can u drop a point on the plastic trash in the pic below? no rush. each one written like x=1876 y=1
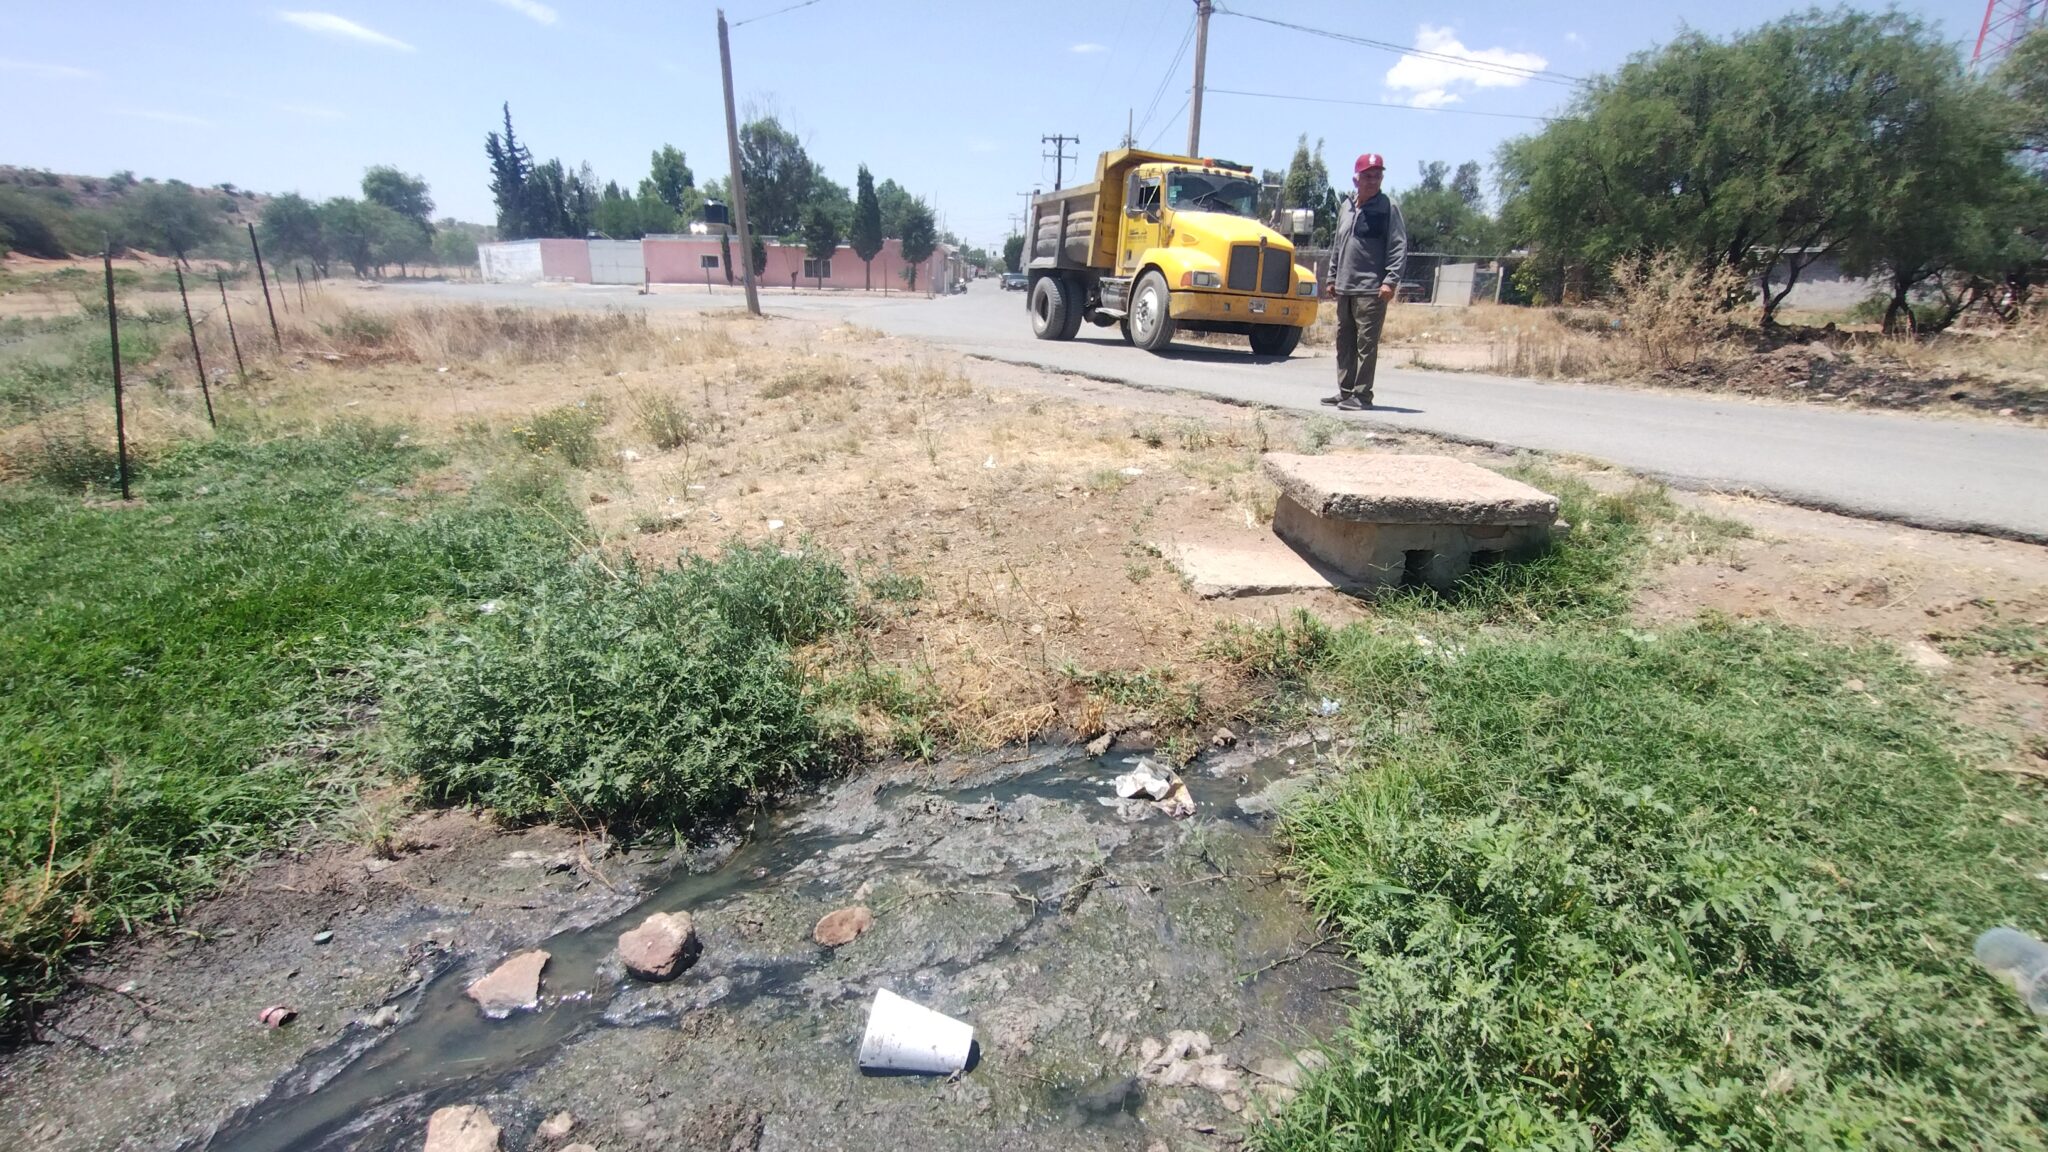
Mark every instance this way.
x=277 y=1015
x=907 y=1037
x=2019 y=960
x=1329 y=707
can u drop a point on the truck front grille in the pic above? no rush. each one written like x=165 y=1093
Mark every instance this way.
x=1244 y=268
x=1275 y=274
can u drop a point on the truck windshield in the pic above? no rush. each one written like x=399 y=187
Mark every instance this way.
x=1206 y=192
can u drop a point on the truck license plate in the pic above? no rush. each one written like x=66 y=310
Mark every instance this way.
x=1258 y=306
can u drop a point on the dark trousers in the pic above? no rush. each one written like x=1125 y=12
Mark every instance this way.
x=1358 y=343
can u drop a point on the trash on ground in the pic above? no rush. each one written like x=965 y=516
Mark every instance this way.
x=2019 y=960
x=1145 y=780
x=907 y=1037
x=278 y=1015
x=1329 y=707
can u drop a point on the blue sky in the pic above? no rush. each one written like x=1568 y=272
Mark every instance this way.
x=949 y=99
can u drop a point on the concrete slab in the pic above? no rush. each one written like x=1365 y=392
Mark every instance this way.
x=1390 y=488
x=1256 y=565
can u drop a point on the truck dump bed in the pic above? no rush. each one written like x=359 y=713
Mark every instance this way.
x=1076 y=227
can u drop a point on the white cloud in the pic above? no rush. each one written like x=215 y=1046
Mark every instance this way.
x=162 y=117
x=1432 y=79
x=532 y=9
x=1575 y=40
x=47 y=71
x=328 y=24
x=1088 y=47
x=311 y=111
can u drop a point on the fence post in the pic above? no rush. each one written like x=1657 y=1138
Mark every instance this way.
x=197 y=359
x=222 y=280
x=264 y=278
x=114 y=346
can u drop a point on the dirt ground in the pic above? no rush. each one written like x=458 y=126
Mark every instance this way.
x=1014 y=512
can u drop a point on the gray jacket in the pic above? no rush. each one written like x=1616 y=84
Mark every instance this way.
x=1370 y=247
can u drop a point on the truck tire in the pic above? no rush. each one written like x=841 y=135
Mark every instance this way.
x=1051 y=310
x=1077 y=307
x=1151 y=313
x=1275 y=339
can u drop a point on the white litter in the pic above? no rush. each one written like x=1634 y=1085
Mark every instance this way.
x=775 y=525
x=1329 y=707
x=907 y=1037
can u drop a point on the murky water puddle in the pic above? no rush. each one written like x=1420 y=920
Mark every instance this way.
x=986 y=880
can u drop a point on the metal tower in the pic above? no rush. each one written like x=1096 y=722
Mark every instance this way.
x=2006 y=23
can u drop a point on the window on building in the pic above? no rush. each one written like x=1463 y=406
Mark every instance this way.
x=817 y=269
x=707 y=262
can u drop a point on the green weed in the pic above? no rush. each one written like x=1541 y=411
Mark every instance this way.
x=650 y=698
x=178 y=676
x=568 y=433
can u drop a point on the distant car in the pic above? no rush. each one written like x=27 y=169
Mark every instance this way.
x=1015 y=280
x=1410 y=291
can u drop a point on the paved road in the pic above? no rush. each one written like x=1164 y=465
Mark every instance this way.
x=1967 y=475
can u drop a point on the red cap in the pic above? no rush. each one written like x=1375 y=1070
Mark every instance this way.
x=1369 y=160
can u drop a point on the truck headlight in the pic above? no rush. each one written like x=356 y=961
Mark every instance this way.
x=1200 y=280
x=1305 y=288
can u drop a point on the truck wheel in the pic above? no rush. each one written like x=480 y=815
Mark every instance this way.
x=1077 y=307
x=1124 y=326
x=1151 y=320
x=1049 y=309
x=1275 y=339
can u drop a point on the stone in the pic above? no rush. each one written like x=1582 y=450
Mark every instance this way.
x=462 y=1128
x=555 y=1127
x=1100 y=745
x=322 y=937
x=1391 y=488
x=513 y=986
x=663 y=945
x=843 y=926
x=1927 y=656
x=579 y=1148
x=383 y=1017
x=1224 y=738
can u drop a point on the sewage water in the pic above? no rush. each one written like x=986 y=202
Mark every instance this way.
x=1014 y=897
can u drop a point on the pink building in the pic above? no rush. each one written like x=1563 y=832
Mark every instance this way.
x=689 y=259
x=693 y=259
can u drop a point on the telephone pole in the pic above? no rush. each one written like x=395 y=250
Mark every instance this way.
x=1202 y=10
x=1058 y=156
x=739 y=184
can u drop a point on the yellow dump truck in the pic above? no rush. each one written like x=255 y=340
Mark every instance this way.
x=1161 y=244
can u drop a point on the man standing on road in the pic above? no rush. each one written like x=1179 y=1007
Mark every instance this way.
x=1367 y=255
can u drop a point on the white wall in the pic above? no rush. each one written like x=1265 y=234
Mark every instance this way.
x=513 y=262
x=616 y=262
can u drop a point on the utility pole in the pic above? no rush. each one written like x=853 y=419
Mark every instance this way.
x=739 y=184
x=1059 y=156
x=1202 y=10
x=1130 y=136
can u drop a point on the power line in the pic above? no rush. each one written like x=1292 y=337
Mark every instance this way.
x=1175 y=118
x=1384 y=104
x=1167 y=79
x=1541 y=75
x=777 y=12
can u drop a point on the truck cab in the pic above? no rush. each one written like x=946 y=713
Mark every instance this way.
x=1160 y=245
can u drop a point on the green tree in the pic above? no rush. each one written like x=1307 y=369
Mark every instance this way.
x=821 y=238
x=511 y=171
x=725 y=254
x=896 y=204
x=760 y=261
x=1465 y=182
x=867 y=226
x=920 y=238
x=670 y=179
x=404 y=194
x=1441 y=220
x=397 y=240
x=293 y=229
x=779 y=176
x=29 y=224
x=2025 y=75
x=1434 y=173
x=1013 y=252
x=454 y=248
x=1307 y=185
x=353 y=229
x=171 y=219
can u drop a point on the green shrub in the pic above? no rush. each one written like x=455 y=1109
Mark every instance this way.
x=661 y=698
x=663 y=417
x=567 y=433
x=176 y=675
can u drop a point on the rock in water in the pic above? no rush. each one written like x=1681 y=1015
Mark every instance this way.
x=555 y=1127
x=843 y=926
x=513 y=987
x=463 y=1128
x=663 y=945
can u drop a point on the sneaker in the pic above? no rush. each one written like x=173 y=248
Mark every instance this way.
x=1353 y=404
x=1336 y=399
